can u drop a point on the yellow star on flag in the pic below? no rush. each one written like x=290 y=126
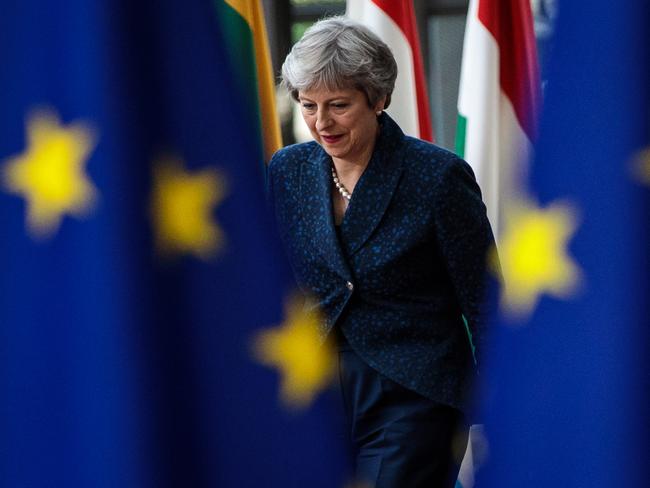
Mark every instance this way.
x=305 y=365
x=50 y=173
x=534 y=258
x=182 y=206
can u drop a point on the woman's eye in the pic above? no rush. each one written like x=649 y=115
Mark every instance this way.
x=308 y=106
x=340 y=105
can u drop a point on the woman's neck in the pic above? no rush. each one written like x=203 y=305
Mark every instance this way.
x=346 y=168
x=349 y=170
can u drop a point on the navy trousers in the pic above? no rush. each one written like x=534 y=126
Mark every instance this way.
x=400 y=438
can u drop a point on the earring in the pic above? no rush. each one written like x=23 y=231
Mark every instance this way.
x=379 y=112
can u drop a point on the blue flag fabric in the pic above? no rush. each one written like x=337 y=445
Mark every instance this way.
x=126 y=323
x=567 y=394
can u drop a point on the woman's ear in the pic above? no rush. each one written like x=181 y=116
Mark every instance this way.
x=380 y=105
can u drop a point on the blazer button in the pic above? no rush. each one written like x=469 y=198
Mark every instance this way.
x=349 y=285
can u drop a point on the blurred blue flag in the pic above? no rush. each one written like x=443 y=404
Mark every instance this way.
x=137 y=260
x=567 y=389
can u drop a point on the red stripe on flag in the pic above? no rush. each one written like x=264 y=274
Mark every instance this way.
x=402 y=13
x=511 y=24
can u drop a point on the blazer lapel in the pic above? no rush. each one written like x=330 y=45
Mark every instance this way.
x=316 y=197
x=375 y=188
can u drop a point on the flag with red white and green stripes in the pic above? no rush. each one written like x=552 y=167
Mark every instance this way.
x=498 y=98
x=394 y=22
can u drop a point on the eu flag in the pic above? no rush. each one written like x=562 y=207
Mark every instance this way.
x=143 y=296
x=568 y=390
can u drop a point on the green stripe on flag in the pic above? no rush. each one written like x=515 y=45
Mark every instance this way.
x=470 y=339
x=239 y=39
x=241 y=54
x=460 y=135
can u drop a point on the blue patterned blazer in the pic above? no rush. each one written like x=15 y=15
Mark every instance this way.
x=410 y=262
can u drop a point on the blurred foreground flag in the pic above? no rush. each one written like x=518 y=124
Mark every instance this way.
x=498 y=99
x=149 y=334
x=567 y=395
x=394 y=22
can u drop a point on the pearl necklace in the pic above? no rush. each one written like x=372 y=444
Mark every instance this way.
x=339 y=186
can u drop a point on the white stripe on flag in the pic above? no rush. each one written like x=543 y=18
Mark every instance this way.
x=403 y=107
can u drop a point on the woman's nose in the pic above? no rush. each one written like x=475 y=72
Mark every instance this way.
x=323 y=120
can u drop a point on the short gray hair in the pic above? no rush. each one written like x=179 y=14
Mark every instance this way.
x=339 y=53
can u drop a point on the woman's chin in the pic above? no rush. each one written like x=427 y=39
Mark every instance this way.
x=334 y=152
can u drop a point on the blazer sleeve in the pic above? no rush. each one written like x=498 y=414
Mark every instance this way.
x=465 y=239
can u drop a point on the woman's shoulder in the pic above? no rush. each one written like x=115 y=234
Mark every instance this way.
x=426 y=158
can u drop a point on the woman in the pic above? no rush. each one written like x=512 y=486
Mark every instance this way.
x=390 y=235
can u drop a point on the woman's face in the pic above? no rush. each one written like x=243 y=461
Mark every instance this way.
x=341 y=121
